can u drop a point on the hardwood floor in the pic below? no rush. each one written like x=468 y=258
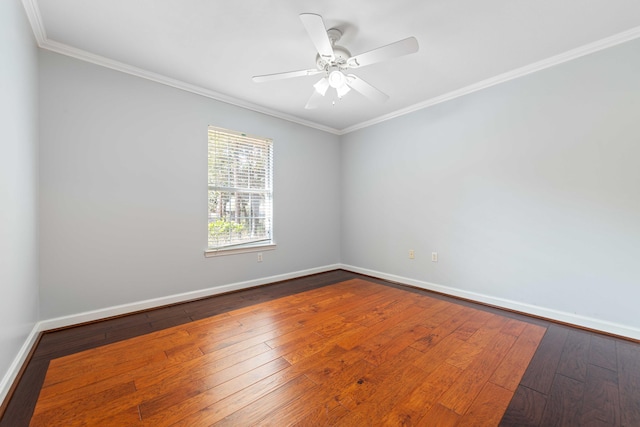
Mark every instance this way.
x=331 y=349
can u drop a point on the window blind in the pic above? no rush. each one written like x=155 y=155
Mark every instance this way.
x=240 y=189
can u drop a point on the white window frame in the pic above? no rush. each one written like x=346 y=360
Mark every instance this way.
x=218 y=183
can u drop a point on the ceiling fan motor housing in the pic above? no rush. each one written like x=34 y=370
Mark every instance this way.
x=340 y=53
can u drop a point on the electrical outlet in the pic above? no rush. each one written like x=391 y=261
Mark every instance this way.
x=412 y=254
x=260 y=257
x=434 y=256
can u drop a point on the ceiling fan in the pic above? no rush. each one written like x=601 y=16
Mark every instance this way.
x=332 y=61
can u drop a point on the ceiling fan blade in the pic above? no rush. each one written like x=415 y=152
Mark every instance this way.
x=393 y=50
x=287 y=75
x=314 y=100
x=318 y=33
x=366 y=89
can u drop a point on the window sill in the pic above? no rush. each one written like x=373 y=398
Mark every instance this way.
x=210 y=253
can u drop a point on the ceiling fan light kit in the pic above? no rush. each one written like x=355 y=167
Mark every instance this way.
x=333 y=60
x=322 y=86
x=336 y=79
x=343 y=89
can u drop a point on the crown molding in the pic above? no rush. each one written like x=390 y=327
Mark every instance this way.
x=83 y=55
x=35 y=19
x=570 y=55
x=37 y=26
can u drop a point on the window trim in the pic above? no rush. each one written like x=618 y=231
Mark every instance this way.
x=240 y=249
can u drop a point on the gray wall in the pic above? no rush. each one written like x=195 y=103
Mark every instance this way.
x=123 y=195
x=18 y=181
x=529 y=191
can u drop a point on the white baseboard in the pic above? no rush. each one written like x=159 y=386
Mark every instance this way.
x=13 y=371
x=103 y=313
x=534 y=310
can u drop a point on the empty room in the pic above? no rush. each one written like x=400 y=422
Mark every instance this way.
x=319 y=213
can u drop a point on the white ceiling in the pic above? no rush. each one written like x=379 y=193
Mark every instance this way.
x=214 y=47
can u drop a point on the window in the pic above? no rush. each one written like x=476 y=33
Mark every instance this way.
x=240 y=192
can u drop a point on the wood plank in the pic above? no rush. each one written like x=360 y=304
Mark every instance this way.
x=207 y=364
x=446 y=322
x=143 y=348
x=462 y=394
x=130 y=417
x=574 y=359
x=360 y=311
x=379 y=382
x=183 y=352
x=443 y=311
x=385 y=311
x=208 y=408
x=316 y=347
x=602 y=352
x=320 y=407
x=218 y=406
x=513 y=327
x=601 y=397
x=351 y=341
x=66 y=414
x=91 y=410
x=476 y=343
x=434 y=356
x=257 y=410
x=471 y=326
x=510 y=371
x=320 y=417
x=489 y=327
x=20 y=408
x=332 y=300
x=328 y=368
x=216 y=325
x=200 y=380
x=487 y=409
x=70 y=341
x=321 y=361
x=307 y=332
x=412 y=408
x=628 y=355
x=52 y=397
x=101 y=372
x=629 y=398
x=393 y=381
x=386 y=346
x=525 y=410
x=564 y=403
x=250 y=338
x=222 y=386
x=440 y=416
